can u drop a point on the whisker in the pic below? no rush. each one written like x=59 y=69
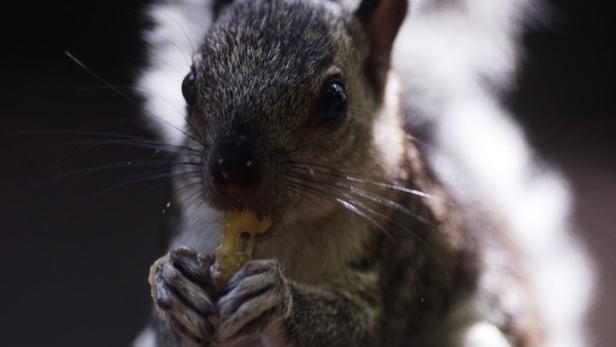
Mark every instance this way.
x=304 y=186
x=150 y=91
x=388 y=219
x=299 y=148
x=394 y=186
x=177 y=6
x=387 y=202
x=127 y=143
x=385 y=218
x=192 y=197
x=166 y=175
x=116 y=136
x=124 y=165
x=146 y=90
x=348 y=202
x=294 y=189
x=85 y=132
x=355 y=209
x=378 y=214
x=136 y=143
x=114 y=87
x=362 y=210
x=319 y=168
x=182 y=189
x=126 y=96
x=365 y=194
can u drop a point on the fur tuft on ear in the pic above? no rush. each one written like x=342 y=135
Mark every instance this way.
x=381 y=19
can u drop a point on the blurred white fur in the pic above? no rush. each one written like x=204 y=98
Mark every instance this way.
x=179 y=27
x=452 y=56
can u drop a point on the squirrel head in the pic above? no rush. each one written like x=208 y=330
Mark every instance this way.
x=284 y=95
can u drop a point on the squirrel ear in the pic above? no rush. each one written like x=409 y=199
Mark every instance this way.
x=381 y=20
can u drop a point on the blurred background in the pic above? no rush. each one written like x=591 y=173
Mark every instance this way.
x=75 y=253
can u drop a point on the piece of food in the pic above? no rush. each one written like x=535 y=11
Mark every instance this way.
x=241 y=228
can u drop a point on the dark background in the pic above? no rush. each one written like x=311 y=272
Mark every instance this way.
x=74 y=257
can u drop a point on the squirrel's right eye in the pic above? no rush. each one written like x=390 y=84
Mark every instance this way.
x=333 y=100
x=188 y=87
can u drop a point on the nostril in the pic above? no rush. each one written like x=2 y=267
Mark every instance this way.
x=232 y=164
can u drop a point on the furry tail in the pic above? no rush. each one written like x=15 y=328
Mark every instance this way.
x=177 y=29
x=454 y=58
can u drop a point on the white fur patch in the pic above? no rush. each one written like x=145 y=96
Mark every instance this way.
x=179 y=26
x=483 y=334
x=147 y=338
x=388 y=133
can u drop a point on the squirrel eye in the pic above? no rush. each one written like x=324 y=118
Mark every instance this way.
x=188 y=87
x=333 y=100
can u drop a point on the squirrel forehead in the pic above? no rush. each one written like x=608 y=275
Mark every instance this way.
x=263 y=63
x=294 y=39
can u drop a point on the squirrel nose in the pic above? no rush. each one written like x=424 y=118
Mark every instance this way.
x=232 y=164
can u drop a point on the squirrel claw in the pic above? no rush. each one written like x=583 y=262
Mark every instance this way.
x=256 y=297
x=181 y=290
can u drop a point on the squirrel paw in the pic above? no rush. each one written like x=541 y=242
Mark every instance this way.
x=180 y=285
x=256 y=297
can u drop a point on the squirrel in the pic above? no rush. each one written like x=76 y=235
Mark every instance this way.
x=294 y=110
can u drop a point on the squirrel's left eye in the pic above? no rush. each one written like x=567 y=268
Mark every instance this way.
x=333 y=100
x=188 y=87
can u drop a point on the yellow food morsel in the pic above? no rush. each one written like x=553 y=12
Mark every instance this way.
x=229 y=256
